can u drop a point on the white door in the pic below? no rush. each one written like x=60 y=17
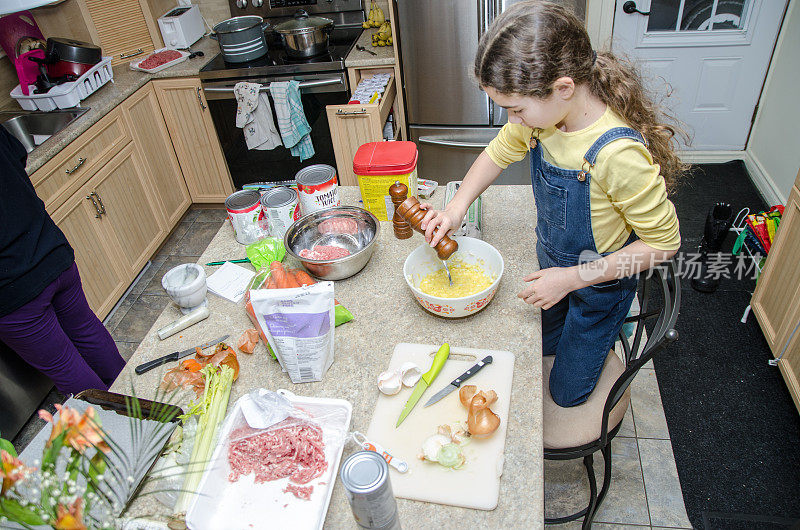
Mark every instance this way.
x=709 y=56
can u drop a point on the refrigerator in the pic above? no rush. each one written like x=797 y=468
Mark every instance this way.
x=449 y=117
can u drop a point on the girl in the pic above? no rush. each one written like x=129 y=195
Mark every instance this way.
x=601 y=163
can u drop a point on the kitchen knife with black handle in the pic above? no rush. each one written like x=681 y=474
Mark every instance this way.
x=456 y=383
x=174 y=356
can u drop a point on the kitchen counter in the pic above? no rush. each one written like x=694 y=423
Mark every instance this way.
x=386 y=314
x=358 y=59
x=125 y=83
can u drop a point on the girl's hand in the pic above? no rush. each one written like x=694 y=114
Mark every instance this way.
x=443 y=221
x=549 y=286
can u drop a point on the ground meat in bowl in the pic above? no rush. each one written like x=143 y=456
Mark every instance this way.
x=324 y=252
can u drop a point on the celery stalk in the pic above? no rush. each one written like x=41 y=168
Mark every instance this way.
x=212 y=411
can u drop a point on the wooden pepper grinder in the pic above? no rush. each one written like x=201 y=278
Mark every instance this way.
x=408 y=215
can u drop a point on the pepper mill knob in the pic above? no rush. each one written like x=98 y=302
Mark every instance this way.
x=408 y=209
x=398 y=192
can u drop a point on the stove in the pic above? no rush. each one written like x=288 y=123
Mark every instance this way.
x=323 y=81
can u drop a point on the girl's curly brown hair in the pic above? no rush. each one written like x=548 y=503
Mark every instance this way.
x=533 y=43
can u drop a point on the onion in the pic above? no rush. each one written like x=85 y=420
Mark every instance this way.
x=450 y=455
x=432 y=445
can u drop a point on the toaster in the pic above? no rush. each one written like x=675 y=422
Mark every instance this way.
x=181 y=27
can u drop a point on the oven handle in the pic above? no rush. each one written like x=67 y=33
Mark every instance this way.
x=265 y=88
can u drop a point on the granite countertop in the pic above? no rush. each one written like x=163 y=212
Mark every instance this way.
x=358 y=59
x=125 y=83
x=386 y=314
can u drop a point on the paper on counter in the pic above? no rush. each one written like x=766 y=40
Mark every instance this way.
x=230 y=281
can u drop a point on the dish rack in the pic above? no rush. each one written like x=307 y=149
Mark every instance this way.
x=739 y=224
x=67 y=95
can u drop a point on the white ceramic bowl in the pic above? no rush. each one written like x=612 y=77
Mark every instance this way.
x=423 y=260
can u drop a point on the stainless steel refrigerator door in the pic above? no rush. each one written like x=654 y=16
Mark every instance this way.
x=446 y=153
x=438 y=43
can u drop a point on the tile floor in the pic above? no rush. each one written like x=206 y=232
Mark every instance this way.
x=644 y=492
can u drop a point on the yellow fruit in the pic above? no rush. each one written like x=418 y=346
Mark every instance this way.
x=381 y=43
x=365 y=25
x=374 y=43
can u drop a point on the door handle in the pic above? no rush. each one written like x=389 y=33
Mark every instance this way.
x=629 y=8
x=481 y=17
x=100 y=201
x=96 y=207
x=200 y=99
x=81 y=161
x=452 y=143
x=131 y=54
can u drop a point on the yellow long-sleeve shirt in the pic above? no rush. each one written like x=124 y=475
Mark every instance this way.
x=626 y=190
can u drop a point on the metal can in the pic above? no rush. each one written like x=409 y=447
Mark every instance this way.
x=365 y=477
x=244 y=212
x=279 y=209
x=317 y=187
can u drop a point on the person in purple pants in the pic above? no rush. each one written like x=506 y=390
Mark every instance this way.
x=44 y=315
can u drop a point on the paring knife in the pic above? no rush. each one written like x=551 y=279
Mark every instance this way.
x=174 y=356
x=425 y=381
x=456 y=383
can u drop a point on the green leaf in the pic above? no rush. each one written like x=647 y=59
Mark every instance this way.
x=8 y=447
x=12 y=509
x=51 y=453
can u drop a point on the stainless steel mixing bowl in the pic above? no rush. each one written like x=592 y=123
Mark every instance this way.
x=359 y=235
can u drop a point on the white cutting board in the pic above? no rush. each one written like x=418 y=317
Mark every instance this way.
x=477 y=484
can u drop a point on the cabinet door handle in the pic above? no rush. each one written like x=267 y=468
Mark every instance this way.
x=81 y=160
x=100 y=201
x=96 y=207
x=200 y=99
x=131 y=54
x=345 y=113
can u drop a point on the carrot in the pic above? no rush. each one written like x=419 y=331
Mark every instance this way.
x=271 y=283
x=278 y=272
x=291 y=280
x=191 y=365
x=303 y=278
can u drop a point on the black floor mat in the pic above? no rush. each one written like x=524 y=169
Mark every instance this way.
x=733 y=424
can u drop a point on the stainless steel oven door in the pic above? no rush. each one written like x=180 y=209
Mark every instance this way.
x=252 y=165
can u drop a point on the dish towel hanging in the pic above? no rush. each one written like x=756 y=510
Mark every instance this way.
x=254 y=117
x=291 y=118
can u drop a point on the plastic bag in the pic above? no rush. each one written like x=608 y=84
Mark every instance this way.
x=264 y=252
x=299 y=327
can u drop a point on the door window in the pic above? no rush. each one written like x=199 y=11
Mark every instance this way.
x=697 y=15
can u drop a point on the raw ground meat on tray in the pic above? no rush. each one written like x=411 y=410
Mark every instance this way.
x=292 y=448
x=324 y=252
x=159 y=58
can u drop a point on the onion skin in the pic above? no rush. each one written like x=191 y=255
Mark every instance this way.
x=481 y=421
x=465 y=394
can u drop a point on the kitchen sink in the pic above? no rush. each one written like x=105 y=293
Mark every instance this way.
x=34 y=127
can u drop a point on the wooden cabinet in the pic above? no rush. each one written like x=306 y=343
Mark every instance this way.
x=776 y=300
x=194 y=138
x=124 y=29
x=154 y=146
x=354 y=125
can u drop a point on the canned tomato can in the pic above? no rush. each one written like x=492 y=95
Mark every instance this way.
x=365 y=477
x=279 y=209
x=317 y=187
x=244 y=212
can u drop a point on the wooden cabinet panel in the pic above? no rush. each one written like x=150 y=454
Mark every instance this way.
x=778 y=289
x=61 y=176
x=101 y=279
x=121 y=29
x=790 y=367
x=150 y=134
x=196 y=144
x=129 y=212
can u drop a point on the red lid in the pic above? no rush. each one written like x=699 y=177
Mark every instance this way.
x=385 y=158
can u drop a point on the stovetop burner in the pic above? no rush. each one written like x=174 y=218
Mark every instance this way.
x=276 y=62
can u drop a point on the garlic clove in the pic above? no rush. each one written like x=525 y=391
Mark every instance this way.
x=410 y=373
x=389 y=383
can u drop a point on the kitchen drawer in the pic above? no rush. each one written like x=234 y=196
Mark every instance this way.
x=354 y=125
x=66 y=172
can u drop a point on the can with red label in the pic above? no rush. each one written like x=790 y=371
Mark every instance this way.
x=317 y=188
x=244 y=212
x=279 y=209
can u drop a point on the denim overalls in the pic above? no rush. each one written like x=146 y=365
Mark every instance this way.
x=582 y=327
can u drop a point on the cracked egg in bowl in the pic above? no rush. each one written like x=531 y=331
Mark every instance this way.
x=476 y=268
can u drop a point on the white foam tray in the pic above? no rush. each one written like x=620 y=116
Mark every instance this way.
x=245 y=504
x=67 y=95
x=135 y=64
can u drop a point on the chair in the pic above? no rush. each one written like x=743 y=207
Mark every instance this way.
x=581 y=431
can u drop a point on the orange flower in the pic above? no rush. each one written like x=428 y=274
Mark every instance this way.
x=82 y=429
x=11 y=470
x=70 y=517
